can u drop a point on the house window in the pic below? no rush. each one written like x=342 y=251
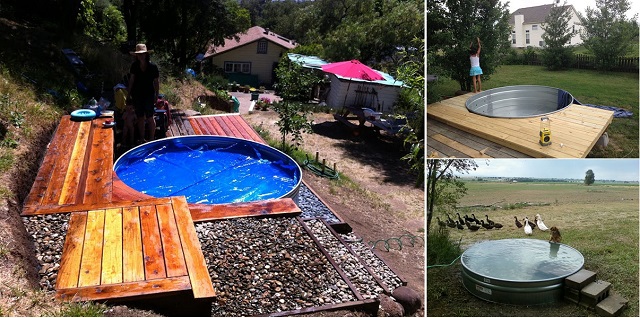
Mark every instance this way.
x=237 y=67
x=527 y=36
x=534 y=27
x=513 y=37
x=541 y=43
x=262 y=47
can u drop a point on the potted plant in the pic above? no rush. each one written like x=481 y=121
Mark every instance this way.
x=264 y=103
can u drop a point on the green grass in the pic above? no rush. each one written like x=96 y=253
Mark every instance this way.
x=633 y=50
x=81 y=309
x=592 y=219
x=590 y=87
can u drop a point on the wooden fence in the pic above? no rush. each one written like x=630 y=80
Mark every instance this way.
x=581 y=61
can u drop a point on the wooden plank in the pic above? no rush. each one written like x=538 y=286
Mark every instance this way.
x=201 y=124
x=60 y=166
x=51 y=209
x=198 y=273
x=45 y=173
x=254 y=134
x=219 y=124
x=187 y=127
x=154 y=266
x=122 y=192
x=470 y=152
x=243 y=133
x=91 y=264
x=128 y=291
x=230 y=125
x=444 y=151
x=72 y=184
x=112 y=270
x=208 y=212
x=99 y=175
x=132 y=257
x=194 y=125
x=69 y=270
x=173 y=256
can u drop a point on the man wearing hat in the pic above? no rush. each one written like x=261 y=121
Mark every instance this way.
x=144 y=85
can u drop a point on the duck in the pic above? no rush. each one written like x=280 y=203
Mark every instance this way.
x=471 y=227
x=475 y=219
x=459 y=225
x=449 y=218
x=467 y=219
x=488 y=221
x=518 y=224
x=441 y=223
x=486 y=225
x=451 y=224
x=527 y=227
x=460 y=219
x=497 y=225
x=533 y=225
x=541 y=224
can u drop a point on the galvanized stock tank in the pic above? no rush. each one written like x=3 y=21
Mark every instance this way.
x=519 y=271
x=519 y=101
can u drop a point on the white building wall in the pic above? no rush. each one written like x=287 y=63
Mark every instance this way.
x=387 y=95
x=535 y=36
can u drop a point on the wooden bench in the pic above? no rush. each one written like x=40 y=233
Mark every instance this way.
x=132 y=249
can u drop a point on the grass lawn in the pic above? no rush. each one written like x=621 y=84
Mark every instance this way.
x=600 y=221
x=591 y=87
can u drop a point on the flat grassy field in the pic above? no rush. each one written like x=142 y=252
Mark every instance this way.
x=590 y=87
x=600 y=221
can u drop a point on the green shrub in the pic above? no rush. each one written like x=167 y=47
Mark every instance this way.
x=440 y=249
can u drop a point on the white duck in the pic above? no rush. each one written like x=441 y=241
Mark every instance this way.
x=541 y=225
x=527 y=227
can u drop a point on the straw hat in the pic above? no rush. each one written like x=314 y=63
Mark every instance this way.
x=141 y=48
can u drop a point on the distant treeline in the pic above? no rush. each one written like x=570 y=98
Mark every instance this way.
x=544 y=180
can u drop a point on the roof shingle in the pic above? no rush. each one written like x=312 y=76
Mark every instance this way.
x=253 y=34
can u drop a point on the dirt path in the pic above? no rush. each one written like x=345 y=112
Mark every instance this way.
x=385 y=203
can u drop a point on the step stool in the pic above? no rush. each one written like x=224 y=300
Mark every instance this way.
x=574 y=283
x=594 y=293
x=611 y=306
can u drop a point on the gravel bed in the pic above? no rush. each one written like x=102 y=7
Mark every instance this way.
x=349 y=263
x=312 y=207
x=380 y=268
x=267 y=265
x=48 y=234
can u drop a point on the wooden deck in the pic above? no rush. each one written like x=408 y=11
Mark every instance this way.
x=131 y=249
x=574 y=130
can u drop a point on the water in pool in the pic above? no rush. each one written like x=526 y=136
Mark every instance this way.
x=210 y=174
x=522 y=259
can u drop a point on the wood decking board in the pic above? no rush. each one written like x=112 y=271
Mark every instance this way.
x=468 y=151
x=438 y=149
x=131 y=251
x=209 y=212
x=575 y=129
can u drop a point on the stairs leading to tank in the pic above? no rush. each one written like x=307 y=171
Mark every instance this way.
x=584 y=289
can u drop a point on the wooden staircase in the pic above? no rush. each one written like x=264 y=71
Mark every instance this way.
x=584 y=289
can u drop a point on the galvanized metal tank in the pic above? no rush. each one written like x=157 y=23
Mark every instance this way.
x=519 y=271
x=519 y=101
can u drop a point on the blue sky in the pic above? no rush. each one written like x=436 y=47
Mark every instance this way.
x=579 y=5
x=604 y=169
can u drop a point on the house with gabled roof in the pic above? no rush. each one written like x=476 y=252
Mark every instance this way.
x=527 y=26
x=250 y=58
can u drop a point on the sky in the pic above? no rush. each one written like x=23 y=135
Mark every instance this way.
x=603 y=169
x=579 y=5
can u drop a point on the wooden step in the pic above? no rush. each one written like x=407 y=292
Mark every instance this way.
x=594 y=293
x=611 y=306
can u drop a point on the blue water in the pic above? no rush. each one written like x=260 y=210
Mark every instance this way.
x=522 y=259
x=208 y=172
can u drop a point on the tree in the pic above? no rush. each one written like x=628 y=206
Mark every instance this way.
x=465 y=21
x=556 y=55
x=589 y=178
x=607 y=32
x=185 y=28
x=443 y=187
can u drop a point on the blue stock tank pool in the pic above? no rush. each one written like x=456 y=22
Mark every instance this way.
x=210 y=170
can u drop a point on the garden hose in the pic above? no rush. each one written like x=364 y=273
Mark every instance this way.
x=387 y=247
x=445 y=265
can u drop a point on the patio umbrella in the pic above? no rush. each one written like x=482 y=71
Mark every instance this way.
x=352 y=69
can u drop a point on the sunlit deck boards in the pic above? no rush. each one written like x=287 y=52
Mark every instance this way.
x=76 y=168
x=132 y=249
x=231 y=125
x=575 y=129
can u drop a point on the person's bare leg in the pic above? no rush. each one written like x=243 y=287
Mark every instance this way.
x=480 y=83
x=473 y=78
x=151 y=128
x=140 y=126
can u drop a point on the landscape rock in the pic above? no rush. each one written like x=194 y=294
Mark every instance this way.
x=389 y=307
x=408 y=298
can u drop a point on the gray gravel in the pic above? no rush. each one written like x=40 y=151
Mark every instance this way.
x=267 y=265
x=48 y=234
x=312 y=207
